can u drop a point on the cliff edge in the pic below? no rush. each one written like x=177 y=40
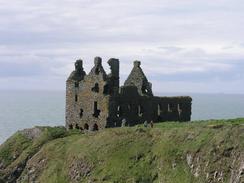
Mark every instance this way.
x=202 y=151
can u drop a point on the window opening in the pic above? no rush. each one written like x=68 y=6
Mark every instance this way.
x=96 y=111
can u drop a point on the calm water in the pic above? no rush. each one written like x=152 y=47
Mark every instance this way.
x=23 y=109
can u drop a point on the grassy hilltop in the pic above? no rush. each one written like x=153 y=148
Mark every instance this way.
x=206 y=151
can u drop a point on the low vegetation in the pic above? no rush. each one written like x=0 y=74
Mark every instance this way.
x=171 y=152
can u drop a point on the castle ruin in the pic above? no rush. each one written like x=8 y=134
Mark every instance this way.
x=95 y=101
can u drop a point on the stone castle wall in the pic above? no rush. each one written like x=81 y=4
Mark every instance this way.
x=96 y=101
x=87 y=102
x=138 y=109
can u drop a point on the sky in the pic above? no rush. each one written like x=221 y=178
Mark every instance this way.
x=184 y=45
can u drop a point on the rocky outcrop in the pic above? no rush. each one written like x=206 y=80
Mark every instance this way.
x=210 y=152
x=78 y=169
x=237 y=172
x=18 y=150
x=32 y=133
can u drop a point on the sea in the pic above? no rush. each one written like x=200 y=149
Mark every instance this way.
x=26 y=109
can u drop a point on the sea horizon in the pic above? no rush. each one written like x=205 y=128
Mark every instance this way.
x=22 y=109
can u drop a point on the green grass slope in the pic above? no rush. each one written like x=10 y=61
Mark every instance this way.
x=203 y=151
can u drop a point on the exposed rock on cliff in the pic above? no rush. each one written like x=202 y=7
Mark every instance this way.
x=206 y=151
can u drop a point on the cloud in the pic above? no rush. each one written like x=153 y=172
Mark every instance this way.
x=20 y=70
x=179 y=41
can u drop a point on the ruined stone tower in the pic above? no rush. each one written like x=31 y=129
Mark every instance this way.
x=96 y=100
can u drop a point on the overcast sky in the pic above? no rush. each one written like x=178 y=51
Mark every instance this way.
x=184 y=45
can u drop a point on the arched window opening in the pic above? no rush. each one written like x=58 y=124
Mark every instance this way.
x=145 y=88
x=95 y=88
x=95 y=127
x=159 y=109
x=96 y=111
x=170 y=107
x=76 y=97
x=119 y=111
x=76 y=84
x=97 y=70
x=129 y=107
x=86 y=126
x=180 y=107
x=159 y=112
x=81 y=113
x=140 y=111
x=70 y=126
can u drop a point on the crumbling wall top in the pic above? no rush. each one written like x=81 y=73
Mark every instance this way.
x=78 y=74
x=137 y=78
x=137 y=63
x=98 y=61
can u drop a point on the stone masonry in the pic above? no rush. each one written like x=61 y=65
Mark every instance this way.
x=95 y=101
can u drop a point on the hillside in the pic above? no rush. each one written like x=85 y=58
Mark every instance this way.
x=203 y=151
